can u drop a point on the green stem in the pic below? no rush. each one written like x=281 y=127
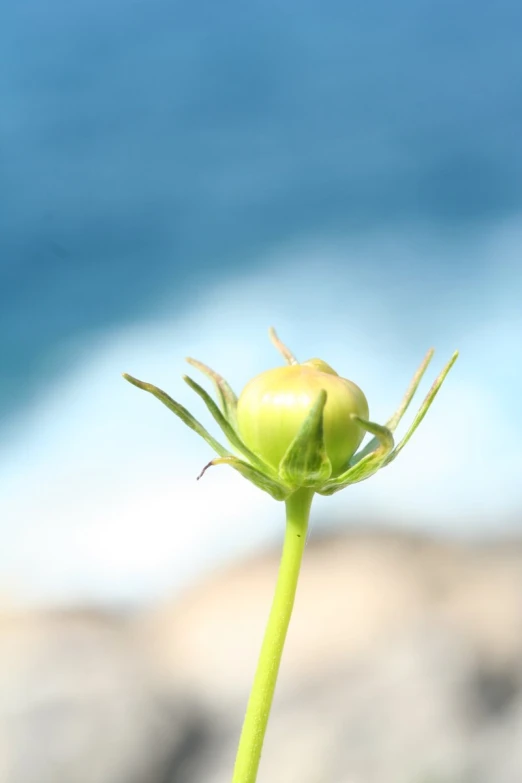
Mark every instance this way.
x=258 y=709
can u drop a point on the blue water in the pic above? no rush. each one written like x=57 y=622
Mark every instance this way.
x=158 y=145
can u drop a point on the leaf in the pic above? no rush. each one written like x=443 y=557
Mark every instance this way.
x=306 y=463
x=182 y=413
x=424 y=408
x=228 y=430
x=392 y=423
x=365 y=465
x=226 y=396
x=281 y=347
x=383 y=436
x=412 y=388
x=277 y=490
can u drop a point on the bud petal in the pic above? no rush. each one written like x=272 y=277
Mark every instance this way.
x=274 y=406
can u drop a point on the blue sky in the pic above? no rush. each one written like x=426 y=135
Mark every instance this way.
x=176 y=179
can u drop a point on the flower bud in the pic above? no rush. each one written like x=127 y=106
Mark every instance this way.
x=299 y=426
x=274 y=405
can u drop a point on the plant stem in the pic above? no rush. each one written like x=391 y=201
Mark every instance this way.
x=260 y=701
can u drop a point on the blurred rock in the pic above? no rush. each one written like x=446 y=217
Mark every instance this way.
x=403 y=665
x=78 y=703
x=403 y=662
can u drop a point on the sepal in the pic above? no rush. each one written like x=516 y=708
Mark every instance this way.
x=306 y=463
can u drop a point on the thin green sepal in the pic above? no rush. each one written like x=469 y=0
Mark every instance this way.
x=182 y=413
x=363 y=465
x=306 y=463
x=227 y=397
x=277 y=490
x=423 y=408
x=226 y=427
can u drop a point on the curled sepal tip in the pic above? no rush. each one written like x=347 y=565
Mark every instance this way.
x=364 y=464
x=277 y=490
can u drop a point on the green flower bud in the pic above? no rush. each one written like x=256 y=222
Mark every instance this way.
x=299 y=426
x=274 y=406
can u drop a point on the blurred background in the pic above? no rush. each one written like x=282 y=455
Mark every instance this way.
x=176 y=178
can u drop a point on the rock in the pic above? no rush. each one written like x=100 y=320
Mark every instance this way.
x=403 y=662
x=403 y=665
x=78 y=703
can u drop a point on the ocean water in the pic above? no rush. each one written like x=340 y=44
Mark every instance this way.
x=177 y=177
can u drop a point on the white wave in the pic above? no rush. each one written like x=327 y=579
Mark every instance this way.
x=98 y=498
